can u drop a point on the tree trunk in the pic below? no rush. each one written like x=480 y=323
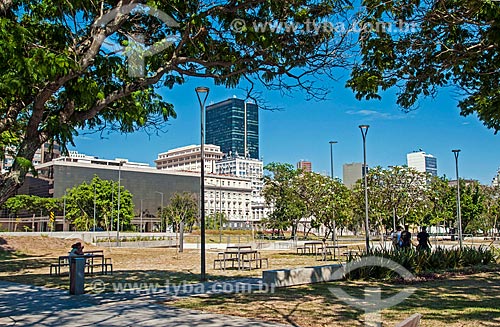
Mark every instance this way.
x=181 y=239
x=10 y=182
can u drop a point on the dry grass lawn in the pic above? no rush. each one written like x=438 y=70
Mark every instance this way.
x=27 y=260
x=459 y=301
x=471 y=300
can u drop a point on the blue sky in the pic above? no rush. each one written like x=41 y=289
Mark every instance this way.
x=302 y=130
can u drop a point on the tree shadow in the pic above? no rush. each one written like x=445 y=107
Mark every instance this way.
x=35 y=306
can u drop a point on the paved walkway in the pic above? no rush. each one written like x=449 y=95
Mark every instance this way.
x=26 y=305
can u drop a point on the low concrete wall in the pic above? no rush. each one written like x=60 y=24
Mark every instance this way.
x=141 y=244
x=299 y=276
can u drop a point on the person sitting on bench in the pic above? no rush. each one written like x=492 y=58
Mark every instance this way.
x=76 y=249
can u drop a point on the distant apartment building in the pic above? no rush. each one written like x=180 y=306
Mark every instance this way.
x=422 y=162
x=188 y=158
x=466 y=182
x=45 y=153
x=305 y=166
x=247 y=168
x=351 y=173
x=496 y=179
x=233 y=124
x=243 y=167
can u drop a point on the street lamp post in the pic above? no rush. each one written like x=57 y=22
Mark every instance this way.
x=333 y=211
x=140 y=229
x=161 y=212
x=459 y=213
x=64 y=212
x=220 y=210
x=205 y=91
x=94 y=208
x=119 y=190
x=393 y=171
x=364 y=131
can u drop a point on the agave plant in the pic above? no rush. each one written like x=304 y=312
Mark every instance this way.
x=421 y=262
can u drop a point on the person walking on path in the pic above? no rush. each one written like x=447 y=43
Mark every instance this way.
x=396 y=238
x=406 y=238
x=424 y=243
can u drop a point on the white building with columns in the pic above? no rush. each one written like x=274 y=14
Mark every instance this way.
x=188 y=158
x=249 y=168
x=233 y=185
x=230 y=195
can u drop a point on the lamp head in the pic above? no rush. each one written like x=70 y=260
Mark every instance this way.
x=333 y=142
x=364 y=126
x=202 y=89
x=456 y=151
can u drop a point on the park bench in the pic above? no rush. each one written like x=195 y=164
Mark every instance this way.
x=240 y=256
x=328 y=250
x=303 y=249
x=105 y=264
x=257 y=259
x=352 y=253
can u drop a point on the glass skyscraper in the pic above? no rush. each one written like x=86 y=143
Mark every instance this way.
x=234 y=126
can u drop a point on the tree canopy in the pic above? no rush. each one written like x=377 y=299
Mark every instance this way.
x=67 y=66
x=396 y=196
x=183 y=208
x=432 y=44
x=294 y=195
x=80 y=201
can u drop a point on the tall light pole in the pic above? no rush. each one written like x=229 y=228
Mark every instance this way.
x=94 y=207
x=459 y=213
x=220 y=210
x=200 y=91
x=333 y=176
x=119 y=191
x=112 y=206
x=393 y=171
x=161 y=212
x=364 y=131
x=64 y=212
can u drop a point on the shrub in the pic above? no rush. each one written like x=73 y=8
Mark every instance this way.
x=422 y=262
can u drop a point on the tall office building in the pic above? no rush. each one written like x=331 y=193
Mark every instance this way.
x=304 y=165
x=233 y=125
x=422 y=162
x=351 y=173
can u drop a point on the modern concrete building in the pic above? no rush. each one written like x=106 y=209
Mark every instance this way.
x=304 y=165
x=351 y=173
x=233 y=124
x=188 y=158
x=231 y=195
x=422 y=162
x=146 y=183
